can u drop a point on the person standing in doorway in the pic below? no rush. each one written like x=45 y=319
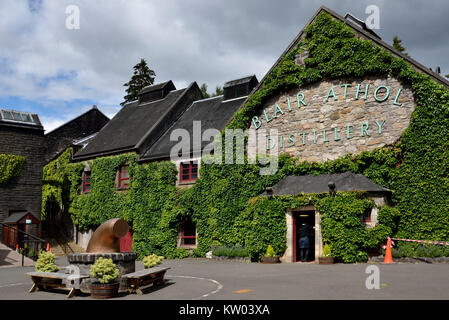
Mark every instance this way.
x=304 y=234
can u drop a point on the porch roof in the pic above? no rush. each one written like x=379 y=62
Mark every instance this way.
x=347 y=181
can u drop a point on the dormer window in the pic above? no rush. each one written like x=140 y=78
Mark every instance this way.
x=123 y=177
x=188 y=171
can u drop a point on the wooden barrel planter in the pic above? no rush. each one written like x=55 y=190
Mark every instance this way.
x=326 y=260
x=270 y=259
x=104 y=290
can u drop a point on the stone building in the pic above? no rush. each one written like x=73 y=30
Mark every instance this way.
x=324 y=120
x=332 y=118
x=22 y=134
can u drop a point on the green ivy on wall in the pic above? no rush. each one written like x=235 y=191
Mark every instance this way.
x=60 y=182
x=148 y=205
x=225 y=204
x=10 y=166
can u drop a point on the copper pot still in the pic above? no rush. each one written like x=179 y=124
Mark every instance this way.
x=106 y=239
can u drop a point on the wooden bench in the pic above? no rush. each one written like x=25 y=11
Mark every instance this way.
x=145 y=278
x=65 y=281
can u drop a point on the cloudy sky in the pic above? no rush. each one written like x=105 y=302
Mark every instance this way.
x=59 y=73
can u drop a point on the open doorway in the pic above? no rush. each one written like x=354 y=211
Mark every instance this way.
x=304 y=236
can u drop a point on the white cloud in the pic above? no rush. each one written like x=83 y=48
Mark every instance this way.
x=185 y=41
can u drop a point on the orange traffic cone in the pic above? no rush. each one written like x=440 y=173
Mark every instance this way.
x=48 y=247
x=388 y=256
x=17 y=247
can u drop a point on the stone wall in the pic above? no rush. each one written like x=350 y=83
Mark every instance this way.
x=24 y=192
x=82 y=238
x=327 y=124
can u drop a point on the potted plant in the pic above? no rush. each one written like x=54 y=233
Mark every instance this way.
x=106 y=273
x=46 y=262
x=270 y=256
x=326 y=256
x=151 y=261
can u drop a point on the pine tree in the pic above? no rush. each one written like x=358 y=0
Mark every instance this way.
x=203 y=89
x=143 y=76
x=398 y=46
x=218 y=91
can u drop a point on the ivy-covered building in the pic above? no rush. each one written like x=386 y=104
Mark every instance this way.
x=345 y=106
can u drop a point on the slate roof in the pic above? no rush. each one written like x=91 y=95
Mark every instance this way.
x=84 y=125
x=157 y=86
x=239 y=81
x=214 y=113
x=16 y=217
x=137 y=125
x=347 y=181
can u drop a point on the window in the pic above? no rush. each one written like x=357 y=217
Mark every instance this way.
x=188 y=233
x=366 y=216
x=123 y=179
x=189 y=171
x=86 y=182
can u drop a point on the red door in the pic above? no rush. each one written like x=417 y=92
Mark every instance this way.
x=126 y=243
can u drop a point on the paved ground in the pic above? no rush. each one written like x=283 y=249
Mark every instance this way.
x=10 y=258
x=202 y=279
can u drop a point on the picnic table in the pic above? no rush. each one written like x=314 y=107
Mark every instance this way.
x=144 y=278
x=64 y=281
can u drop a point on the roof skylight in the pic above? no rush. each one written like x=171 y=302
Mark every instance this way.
x=18 y=116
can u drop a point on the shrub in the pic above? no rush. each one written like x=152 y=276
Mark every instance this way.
x=230 y=252
x=419 y=250
x=152 y=260
x=104 y=270
x=326 y=251
x=270 y=252
x=46 y=262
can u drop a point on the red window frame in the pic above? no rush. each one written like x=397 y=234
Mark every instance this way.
x=366 y=217
x=121 y=179
x=186 y=169
x=86 y=183
x=183 y=237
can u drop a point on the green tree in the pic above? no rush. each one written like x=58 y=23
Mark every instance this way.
x=218 y=91
x=203 y=89
x=398 y=46
x=143 y=76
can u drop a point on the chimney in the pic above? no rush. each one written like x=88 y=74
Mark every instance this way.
x=239 y=88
